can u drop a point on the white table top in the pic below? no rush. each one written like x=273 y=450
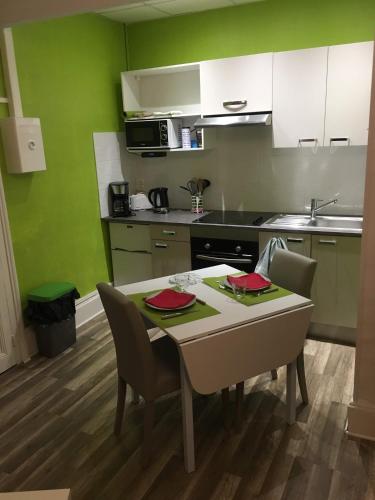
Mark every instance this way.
x=232 y=312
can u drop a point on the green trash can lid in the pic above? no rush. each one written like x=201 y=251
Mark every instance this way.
x=50 y=291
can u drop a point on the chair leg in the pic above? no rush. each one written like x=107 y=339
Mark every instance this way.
x=274 y=374
x=291 y=392
x=148 y=422
x=225 y=401
x=302 y=378
x=121 y=395
x=239 y=403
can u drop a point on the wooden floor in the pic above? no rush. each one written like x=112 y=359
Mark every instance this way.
x=56 y=420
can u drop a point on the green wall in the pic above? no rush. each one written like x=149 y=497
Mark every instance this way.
x=69 y=72
x=272 y=25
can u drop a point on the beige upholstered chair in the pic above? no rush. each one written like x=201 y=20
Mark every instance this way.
x=150 y=368
x=295 y=273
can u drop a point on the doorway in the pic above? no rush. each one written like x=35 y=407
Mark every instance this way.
x=8 y=307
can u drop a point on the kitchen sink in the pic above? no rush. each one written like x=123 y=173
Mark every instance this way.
x=320 y=222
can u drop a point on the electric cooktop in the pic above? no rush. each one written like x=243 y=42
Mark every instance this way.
x=234 y=218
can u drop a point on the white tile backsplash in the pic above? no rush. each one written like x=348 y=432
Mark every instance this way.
x=248 y=174
x=110 y=160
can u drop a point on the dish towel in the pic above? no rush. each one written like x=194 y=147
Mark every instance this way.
x=266 y=256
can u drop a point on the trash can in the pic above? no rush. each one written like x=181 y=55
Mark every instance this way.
x=51 y=308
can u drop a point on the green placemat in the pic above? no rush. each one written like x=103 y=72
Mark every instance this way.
x=197 y=311
x=249 y=299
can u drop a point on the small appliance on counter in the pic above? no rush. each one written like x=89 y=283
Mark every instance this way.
x=153 y=133
x=139 y=201
x=119 y=199
x=158 y=197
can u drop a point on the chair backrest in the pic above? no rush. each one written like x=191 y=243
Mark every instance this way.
x=135 y=359
x=293 y=271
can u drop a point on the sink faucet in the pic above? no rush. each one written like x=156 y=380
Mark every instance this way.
x=315 y=207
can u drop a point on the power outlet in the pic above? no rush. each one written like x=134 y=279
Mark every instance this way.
x=140 y=185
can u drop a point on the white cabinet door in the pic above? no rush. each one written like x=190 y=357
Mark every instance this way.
x=237 y=85
x=130 y=267
x=348 y=94
x=299 y=93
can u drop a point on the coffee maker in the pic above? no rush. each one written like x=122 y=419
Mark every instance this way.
x=119 y=199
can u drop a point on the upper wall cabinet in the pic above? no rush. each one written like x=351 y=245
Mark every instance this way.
x=299 y=92
x=170 y=88
x=237 y=85
x=348 y=94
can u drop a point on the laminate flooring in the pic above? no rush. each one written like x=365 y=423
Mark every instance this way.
x=56 y=419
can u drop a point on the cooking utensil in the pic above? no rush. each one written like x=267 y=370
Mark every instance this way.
x=185 y=188
x=176 y=314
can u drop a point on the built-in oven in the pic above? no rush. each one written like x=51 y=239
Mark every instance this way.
x=240 y=254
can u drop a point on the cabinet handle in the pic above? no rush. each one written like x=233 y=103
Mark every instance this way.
x=339 y=139
x=302 y=141
x=227 y=104
x=295 y=240
x=161 y=245
x=327 y=242
x=169 y=233
x=146 y=252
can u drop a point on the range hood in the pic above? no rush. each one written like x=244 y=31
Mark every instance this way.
x=234 y=120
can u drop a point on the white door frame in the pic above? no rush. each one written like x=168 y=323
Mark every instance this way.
x=13 y=343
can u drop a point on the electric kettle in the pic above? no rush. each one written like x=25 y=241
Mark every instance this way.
x=158 y=197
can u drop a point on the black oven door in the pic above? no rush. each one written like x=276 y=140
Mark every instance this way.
x=142 y=134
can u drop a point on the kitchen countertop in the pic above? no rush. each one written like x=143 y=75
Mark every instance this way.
x=149 y=217
x=185 y=217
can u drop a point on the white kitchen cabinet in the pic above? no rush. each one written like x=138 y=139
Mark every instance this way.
x=131 y=252
x=348 y=94
x=336 y=284
x=296 y=242
x=236 y=85
x=299 y=94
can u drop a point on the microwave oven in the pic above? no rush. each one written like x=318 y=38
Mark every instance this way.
x=153 y=133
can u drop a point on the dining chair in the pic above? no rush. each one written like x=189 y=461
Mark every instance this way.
x=295 y=273
x=151 y=368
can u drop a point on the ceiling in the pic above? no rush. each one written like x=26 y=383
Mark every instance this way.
x=158 y=9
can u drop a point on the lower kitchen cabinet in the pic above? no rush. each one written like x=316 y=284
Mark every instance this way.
x=131 y=253
x=336 y=284
x=130 y=267
x=296 y=242
x=170 y=257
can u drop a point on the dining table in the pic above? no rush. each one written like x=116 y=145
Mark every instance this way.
x=228 y=339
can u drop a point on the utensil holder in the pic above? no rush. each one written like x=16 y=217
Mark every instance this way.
x=197 y=204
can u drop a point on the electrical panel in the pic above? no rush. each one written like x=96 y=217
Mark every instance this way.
x=23 y=145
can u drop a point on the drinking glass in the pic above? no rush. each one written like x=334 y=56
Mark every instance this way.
x=181 y=281
x=238 y=290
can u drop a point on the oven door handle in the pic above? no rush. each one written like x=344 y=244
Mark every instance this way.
x=223 y=260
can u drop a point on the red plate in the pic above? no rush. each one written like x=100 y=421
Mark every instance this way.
x=169 y=299
x=252 y=281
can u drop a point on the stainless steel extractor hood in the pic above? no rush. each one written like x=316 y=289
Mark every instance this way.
x=234 y=120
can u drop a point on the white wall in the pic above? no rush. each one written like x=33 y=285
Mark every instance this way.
x=247 y=174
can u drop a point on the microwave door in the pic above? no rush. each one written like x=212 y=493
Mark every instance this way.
x=142 y=134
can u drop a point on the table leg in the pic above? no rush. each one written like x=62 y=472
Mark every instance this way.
x=291 y=392
x=187 y=418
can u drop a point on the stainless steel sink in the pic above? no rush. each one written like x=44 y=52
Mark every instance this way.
x=320 y=222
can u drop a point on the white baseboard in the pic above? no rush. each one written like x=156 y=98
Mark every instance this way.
x=88 y=307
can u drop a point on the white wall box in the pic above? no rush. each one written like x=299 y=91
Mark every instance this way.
x=237 y=85
x=163 y=89
x=348 y=94
x=299 y=94
x=23 y=145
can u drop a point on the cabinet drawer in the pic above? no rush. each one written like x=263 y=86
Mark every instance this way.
x=170 y=257
x=132 y=237
x=168 y=233
x=296 y=242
